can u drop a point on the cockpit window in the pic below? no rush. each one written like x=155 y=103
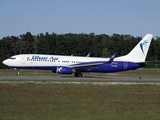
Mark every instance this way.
x=13 y=58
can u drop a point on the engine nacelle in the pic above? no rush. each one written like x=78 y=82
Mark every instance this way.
x=64 y=70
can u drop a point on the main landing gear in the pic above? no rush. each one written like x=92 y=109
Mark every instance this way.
x=78 y=74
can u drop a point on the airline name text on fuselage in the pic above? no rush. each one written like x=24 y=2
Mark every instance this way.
x=44 y=58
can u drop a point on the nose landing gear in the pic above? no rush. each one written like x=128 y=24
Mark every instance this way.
x=16 y=70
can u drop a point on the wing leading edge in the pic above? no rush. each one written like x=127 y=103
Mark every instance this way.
x=88 y=65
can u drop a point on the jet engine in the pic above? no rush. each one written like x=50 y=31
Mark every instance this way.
x=64 y=70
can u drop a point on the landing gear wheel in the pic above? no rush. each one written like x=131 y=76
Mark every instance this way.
x=17 y=70
x=78 y=74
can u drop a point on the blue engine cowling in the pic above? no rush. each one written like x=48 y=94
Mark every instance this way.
x=64 y=70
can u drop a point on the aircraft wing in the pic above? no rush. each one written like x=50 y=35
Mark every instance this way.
x=88 y=65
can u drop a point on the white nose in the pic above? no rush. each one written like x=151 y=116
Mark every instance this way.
x=5 y=62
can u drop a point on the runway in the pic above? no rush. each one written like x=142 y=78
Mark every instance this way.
x=87 y=79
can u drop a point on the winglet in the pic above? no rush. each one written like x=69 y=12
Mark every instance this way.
x=89 y=54
x=112 y=58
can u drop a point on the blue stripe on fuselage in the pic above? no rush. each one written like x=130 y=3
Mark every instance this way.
x=37 y=67
x=116 y=67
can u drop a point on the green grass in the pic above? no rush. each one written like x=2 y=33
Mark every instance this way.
x=62 y=101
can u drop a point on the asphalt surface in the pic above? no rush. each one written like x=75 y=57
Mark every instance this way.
x=72 y=78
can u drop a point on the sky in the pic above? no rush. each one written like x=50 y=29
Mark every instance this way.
x=133 y=17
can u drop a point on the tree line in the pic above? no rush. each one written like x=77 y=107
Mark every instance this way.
x=73 y=44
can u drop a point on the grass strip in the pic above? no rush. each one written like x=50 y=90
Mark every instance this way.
x=62 y=101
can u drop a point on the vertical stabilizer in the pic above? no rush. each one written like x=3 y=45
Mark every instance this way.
x=139 y=52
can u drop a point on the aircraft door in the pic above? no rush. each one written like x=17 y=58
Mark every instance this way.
x=125 y=65
x=23 y=60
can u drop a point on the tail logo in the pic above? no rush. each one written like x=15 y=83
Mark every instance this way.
x=143 y=44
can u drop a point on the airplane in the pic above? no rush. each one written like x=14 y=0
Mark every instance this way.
x=75 y=64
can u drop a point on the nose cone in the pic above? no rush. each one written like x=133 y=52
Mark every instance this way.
x=5 y=62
